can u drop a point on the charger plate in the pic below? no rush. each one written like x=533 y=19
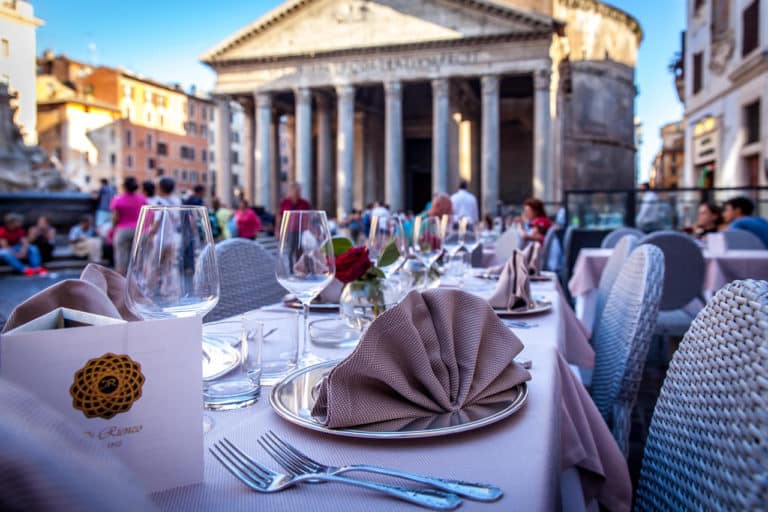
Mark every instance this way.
x=293 y=399
x=540 y=306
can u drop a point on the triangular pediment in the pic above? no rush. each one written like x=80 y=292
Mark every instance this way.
x=308 y=27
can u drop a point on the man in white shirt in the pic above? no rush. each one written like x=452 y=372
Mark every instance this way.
x=464 y=203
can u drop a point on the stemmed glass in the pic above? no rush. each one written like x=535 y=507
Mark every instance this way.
x=451 y=235
x=469 y=234
x=172 y=271
x=427 y=241
x=305 y=263
x=386 y=231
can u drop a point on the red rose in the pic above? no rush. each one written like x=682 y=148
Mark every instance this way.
x=352 y=265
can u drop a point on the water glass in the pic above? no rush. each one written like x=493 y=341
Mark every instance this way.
x=242 y=386
x=280 y=350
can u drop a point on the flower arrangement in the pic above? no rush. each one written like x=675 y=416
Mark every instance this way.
x=353 y=263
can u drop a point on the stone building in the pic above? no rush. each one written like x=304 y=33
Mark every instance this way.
x=399 y=99
x=724 y=78
x=18 y=26
x=668 y=164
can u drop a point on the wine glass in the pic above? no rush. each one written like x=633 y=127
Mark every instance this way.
x=427 y=240
x=470 y=234
x=305 y=263
x=387 y=231
x=450 y=233
x=172 y=271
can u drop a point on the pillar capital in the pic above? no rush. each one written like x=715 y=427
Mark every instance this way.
x=490 y=84
x=345 y=91
x=440 y=86
x=541 y=79
x=263 y=99
x=393 y=88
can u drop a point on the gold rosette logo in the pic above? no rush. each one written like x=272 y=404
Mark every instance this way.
x=107 y=386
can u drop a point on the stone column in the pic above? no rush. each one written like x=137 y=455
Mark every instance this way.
x=393 y=146
x=542 y=139
x=441 y=119
x=489 y=168
x=345 y=150
x=249 y=153
x=304 y=141
x=264 y=151
x=223 y=153
x=324 y=155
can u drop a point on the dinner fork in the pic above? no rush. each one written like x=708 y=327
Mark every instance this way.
x=295 y=461
x=262 y=479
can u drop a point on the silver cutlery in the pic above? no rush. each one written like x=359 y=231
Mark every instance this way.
x=295 y=461
x=262 y=479
x=519 y=324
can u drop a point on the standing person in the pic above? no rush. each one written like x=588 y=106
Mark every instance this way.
x=465 y=203
x=738 y=214
x=149 y=190
x=197 y=198
x=125 y=214
x=248 y=223
x=43 y=236
x=536 y=219
x=165 y=195
x=222 y=215
x=440 y=205
x=84 y=240
x=104 y=198
x=294 y=201
x=15 y=247
x=648 y=217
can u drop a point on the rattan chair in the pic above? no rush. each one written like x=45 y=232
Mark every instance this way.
x=247 y=275
x=612 y=238
x=616 y=261
x=622 y=337
x=742 y=239
x=551 y=250
x=707 y=448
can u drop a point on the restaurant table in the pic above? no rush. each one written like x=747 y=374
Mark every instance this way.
x=521 y=454
x=721 y=269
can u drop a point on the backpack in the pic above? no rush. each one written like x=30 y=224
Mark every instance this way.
x=215 y=228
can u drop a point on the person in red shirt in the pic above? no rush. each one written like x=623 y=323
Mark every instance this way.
x=294 y=201
x=15 y=247
x=537 y=220
x=248 y=223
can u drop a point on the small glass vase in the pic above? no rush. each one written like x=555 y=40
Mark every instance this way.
x=362 y=302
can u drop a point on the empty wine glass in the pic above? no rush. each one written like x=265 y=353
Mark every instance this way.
x=450 y=233
x=427 y=240
x=387 y=231
x=172 y=271
x=469 y=233
x=305 y=263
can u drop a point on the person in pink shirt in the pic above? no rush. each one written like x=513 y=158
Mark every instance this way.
x=125 y=214
x=248 y=223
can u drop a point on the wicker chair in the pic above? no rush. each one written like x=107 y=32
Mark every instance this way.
x=622 y=338
x=247 y=275
x=742 y=239
x=551 y=250
x=612 y=238
x=616 y=261
x=707 y=448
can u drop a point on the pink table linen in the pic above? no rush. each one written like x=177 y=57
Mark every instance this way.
x=558 y=430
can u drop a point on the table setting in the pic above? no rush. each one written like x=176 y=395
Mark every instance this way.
x=451 y=395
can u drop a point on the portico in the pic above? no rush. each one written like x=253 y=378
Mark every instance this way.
x=378 y=118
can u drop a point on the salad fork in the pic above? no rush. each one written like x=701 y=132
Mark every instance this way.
x=262 y=479
x=297 y=462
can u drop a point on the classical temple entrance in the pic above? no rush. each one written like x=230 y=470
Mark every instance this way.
x=418 y=173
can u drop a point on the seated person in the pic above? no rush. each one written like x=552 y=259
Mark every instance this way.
x=14 y=247
x=43 y=236
x=708 y=220
x=84 y=240
x=738 y=214
x=535 y=217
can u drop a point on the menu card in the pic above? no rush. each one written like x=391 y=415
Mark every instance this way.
x=133 y=388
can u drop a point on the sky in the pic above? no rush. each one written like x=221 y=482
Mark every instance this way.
x=163 y=40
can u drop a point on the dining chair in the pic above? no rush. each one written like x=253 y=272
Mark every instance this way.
x=707 y=447
x=622 y=337
x=612 y=238
x=551 y=250
x=616 y=260
x=574 y=240
x=742 y=239
x=247 y=276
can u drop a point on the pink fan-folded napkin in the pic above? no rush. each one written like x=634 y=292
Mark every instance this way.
x=435 y=352
x=532 y=254
x=513 y=291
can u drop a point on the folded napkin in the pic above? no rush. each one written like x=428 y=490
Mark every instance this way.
x=99 y=291
x=513 y=292
x=435 y=352
x=532 y=254
x=311 y=262
x=331 y=294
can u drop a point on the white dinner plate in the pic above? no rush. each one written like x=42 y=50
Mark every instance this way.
x=219 y=358
x=539 y=306
x=294 y=397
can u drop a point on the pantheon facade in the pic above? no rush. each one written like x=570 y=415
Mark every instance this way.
x=395 y=100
